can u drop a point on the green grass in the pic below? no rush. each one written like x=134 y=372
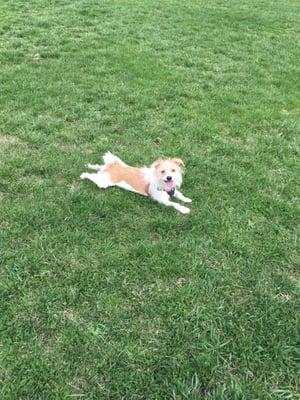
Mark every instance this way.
x=105 y=294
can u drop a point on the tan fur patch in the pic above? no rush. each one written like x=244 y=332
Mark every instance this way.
x=132 y=176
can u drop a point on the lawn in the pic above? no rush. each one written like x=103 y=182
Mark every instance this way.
x=105 y=294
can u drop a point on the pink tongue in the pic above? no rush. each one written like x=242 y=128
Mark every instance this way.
x=169 y=184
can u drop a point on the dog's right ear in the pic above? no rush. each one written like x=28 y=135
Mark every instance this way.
x=179 y=162
x=156 y=164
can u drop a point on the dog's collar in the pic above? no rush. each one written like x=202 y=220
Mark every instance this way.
x=171 y=192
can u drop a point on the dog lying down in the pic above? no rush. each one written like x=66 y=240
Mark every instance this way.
x=160 y=181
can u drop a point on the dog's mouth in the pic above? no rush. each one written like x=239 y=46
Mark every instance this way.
x=169 y=184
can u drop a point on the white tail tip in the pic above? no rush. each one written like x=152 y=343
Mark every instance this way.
x=110 y=158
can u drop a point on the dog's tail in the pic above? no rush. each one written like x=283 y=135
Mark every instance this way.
x=110 y=158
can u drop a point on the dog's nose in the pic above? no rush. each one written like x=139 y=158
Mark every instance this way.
x=169 y=178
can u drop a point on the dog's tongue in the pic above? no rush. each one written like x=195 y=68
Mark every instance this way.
x=169 y=184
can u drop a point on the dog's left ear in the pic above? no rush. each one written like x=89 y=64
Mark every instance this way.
x=178 y=161
x=156 y=164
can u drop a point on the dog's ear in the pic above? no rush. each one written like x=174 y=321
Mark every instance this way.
x=178 y=161
x=156 y=164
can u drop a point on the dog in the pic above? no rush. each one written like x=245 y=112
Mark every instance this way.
x=161 y=181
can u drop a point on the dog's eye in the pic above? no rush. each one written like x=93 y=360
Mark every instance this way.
x=163 y=171
x=173 y=170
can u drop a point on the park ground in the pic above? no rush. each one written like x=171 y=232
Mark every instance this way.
x=105 y=294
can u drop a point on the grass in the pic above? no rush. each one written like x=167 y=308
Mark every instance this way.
x=105 y=294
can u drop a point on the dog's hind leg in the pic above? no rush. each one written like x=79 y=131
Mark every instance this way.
x=95 y=167
x=102 y=179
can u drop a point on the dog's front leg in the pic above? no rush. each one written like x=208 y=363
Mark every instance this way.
x=181 y=197
x=163 y=198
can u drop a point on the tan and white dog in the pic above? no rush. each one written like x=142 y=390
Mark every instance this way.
x=160 y=181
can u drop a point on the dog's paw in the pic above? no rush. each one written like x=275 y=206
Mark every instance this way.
x=187 y=200
x=83 y=175
x=184 y=210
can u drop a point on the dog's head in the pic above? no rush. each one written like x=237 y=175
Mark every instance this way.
x=168 y=173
